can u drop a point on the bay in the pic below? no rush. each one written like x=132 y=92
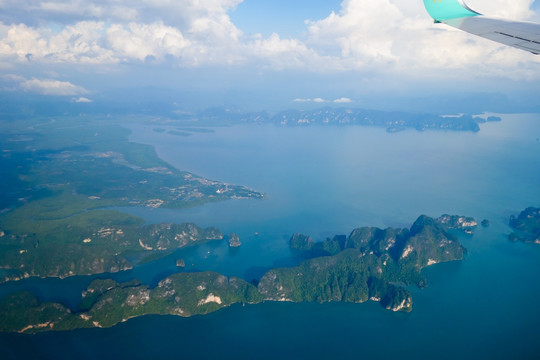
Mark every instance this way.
x=324 y=181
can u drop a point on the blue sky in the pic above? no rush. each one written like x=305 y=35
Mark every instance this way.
x=284 y=17
x=262 y=54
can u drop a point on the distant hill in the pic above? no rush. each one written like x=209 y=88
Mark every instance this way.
x=393 y=121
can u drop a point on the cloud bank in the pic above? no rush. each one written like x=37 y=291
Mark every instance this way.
x=52 y=87
x=43 y=86
x=390 y=36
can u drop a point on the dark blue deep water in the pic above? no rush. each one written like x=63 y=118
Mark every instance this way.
x=324 y=181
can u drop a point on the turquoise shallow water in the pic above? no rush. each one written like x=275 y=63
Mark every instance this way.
x=325 y=181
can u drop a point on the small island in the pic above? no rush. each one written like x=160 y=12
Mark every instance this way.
x=369 y=264
x=526 y=226
x=456 y=222
x=234 y=240
x=180 y=263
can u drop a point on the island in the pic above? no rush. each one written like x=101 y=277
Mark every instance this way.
x=393 y=121
x=368 y=264
x=234 y=240
x=526 y=226
x=180 y=263
x=456 y=222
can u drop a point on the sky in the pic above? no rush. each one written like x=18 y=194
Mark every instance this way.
x=263 y=55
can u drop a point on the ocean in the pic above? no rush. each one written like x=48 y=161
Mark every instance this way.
x=324 y=181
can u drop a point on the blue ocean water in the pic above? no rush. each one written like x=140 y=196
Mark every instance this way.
x=324 y=181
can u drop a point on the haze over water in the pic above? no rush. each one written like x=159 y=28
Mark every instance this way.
x=324 y=181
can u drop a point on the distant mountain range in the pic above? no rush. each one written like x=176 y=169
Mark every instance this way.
x=393 y=121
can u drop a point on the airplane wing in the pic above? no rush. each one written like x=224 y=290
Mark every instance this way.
x=521 y=35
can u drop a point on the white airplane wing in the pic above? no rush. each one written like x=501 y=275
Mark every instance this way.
x=521 y=35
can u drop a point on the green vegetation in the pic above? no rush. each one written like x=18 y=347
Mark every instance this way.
x=368 y=264
x=526 y=226
x=94 y=242
x=301 y=242
x=106 y=303
x=63 y=173
x=23 y=312
x=456 y=222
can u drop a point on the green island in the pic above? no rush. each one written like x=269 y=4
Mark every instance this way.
x=369 y=264
x=526 y=226
x=65 y=174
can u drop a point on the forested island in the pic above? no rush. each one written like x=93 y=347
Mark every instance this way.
x=526 y=226
x=369 y=264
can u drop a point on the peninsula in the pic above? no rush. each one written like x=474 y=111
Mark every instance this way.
x=64 y=175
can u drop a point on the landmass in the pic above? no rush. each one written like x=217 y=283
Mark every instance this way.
x=76 y=247
x=64 y=175
x=526 y=226
x=369 y=264
x=106 y=303
x=393 y=121
x=234 y=240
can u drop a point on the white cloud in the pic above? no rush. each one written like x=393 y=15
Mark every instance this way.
x=315 y=100
x=391 y=36
x=82 y=100
x=359 y=31
x=343 y=100
x=172 y=12
x=102 y=31
x=398 y=37
x=51 y=87
x=79 y=43
x=139 y=41
x=282 y=53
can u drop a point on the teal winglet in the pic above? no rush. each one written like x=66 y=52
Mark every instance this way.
x=441 y=10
